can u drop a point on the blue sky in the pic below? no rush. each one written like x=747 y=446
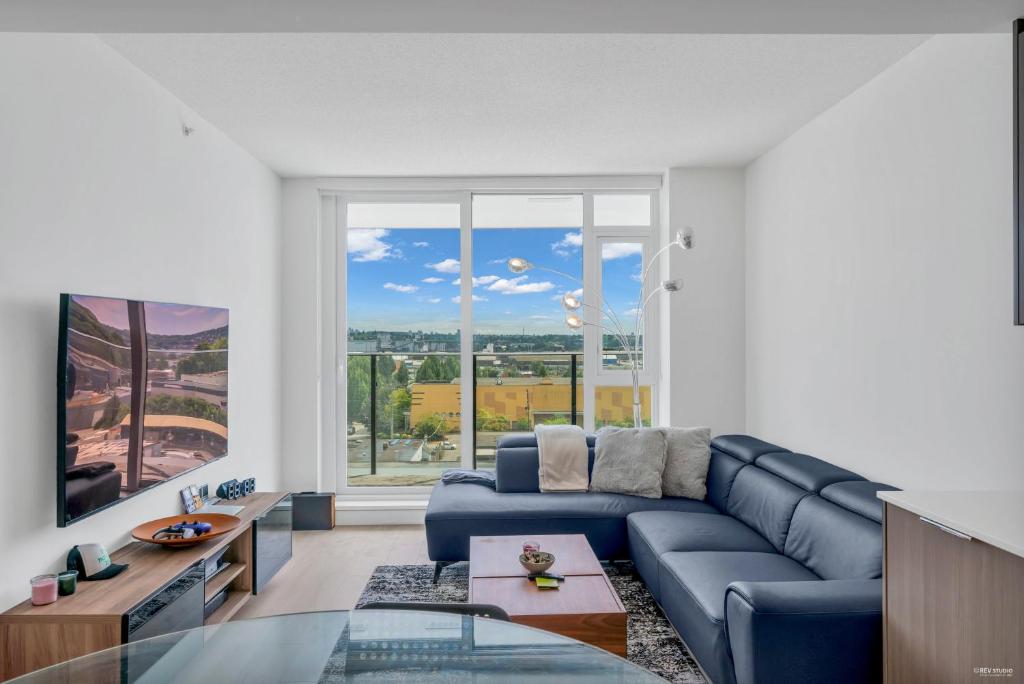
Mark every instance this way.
x=408 y=278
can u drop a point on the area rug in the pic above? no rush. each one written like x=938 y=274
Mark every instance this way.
x=651 y=642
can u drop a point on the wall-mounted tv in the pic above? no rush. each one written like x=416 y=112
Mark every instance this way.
x=142 y=397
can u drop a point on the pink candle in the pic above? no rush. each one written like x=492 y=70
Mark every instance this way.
x=44 y=589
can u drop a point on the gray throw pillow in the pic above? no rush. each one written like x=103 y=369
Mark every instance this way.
x=688 y=453
x=629 y=461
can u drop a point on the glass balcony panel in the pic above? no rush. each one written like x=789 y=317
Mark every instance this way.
x=517 y=392
x=417 y=410
x=613 y=406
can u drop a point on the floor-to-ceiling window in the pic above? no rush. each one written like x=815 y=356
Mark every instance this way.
x=403 y=342
x=528 y=363
x=447 y=348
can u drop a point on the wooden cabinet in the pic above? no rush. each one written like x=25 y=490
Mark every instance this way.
x=953 y=603
x=161 y=591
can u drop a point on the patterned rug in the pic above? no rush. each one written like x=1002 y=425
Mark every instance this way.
x=652 y=643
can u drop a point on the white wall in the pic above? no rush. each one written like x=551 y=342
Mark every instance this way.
x=301 y=364
x=880 y=277
x=100 y=193
x=703 y=345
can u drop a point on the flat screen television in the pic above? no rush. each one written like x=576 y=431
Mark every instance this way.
x=142 y=397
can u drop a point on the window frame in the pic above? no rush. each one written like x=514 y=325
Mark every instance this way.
x=332 y=322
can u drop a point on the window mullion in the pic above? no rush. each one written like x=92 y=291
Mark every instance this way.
x=591 y=294
x=467 y=374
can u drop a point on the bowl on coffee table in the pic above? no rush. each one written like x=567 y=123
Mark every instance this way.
x=536 y=562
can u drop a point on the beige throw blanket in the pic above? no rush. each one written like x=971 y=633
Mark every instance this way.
x=562 y=453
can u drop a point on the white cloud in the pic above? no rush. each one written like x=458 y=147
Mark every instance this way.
x=567 y=245
x=508 y=286
x=366 y=244
x=405 y=289
x=619 y=250
x=434 y=300
x=541 y=317
x=578 y=292
x=482 y=280
x=457 y=299
x=432 y=280
x=445 y=266
x=421 y=244
x=498 y=261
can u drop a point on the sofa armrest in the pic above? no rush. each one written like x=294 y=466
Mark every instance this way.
x=819 y=631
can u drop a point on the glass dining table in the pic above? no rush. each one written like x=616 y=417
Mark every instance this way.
x=351 y=646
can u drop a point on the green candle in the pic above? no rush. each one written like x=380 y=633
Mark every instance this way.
x=67 y=582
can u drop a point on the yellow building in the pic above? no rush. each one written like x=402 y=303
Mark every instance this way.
x=526 y=401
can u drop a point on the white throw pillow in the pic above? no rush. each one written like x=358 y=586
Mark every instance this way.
x=688 y=453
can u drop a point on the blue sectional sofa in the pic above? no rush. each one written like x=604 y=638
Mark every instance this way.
x=774 y=577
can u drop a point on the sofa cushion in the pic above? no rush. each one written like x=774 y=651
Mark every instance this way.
x=629 y=461
x=687 y=452
x=744 y=447
x=833 y=542
x=859 y=497
x=765 y=502
x=693 y=588
x=652 y=533
x=458 y=511
x=805 y=471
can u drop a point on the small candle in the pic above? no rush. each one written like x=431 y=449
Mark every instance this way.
x=67 y=582
x=44 y=589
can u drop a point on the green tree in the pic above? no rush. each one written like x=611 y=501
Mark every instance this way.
x=402 y=375
x=539 y=369
x=438 y=369
x=165 y=404
x=206 y=363
x=359 y=389
x=430 y=427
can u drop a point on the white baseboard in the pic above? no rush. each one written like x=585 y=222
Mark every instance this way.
x=349 y=512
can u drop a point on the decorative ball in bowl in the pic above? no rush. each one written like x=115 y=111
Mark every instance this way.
x=536 y=561
x=186 y=530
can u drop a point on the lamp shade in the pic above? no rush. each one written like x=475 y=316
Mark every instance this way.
x=518 y=265
x=574 y=321
x=570 y=302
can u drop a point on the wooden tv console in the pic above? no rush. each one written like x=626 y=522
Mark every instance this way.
x=159 y=592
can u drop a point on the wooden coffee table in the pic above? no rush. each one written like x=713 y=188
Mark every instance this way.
x=585 y=607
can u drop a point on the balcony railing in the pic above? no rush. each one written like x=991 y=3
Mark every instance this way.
x=405 y=420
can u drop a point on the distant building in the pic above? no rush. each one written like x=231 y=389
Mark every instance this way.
x=362 y=346
x=533 y=399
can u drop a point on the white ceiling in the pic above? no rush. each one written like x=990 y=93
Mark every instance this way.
x=512 y=16
x=440 y=104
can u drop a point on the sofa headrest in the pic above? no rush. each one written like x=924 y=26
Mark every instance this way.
x=744 y=447
x=805 y=471
x=529 y=439
x=859 y=497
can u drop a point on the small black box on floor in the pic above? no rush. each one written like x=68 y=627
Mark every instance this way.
x=313 y=511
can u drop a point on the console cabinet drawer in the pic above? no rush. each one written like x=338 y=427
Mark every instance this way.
x=954 y=606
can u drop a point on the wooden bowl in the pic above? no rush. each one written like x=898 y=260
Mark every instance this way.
x=222 y=524
x=537 y=561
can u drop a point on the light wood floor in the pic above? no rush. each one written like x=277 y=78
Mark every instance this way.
x=329 y=569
